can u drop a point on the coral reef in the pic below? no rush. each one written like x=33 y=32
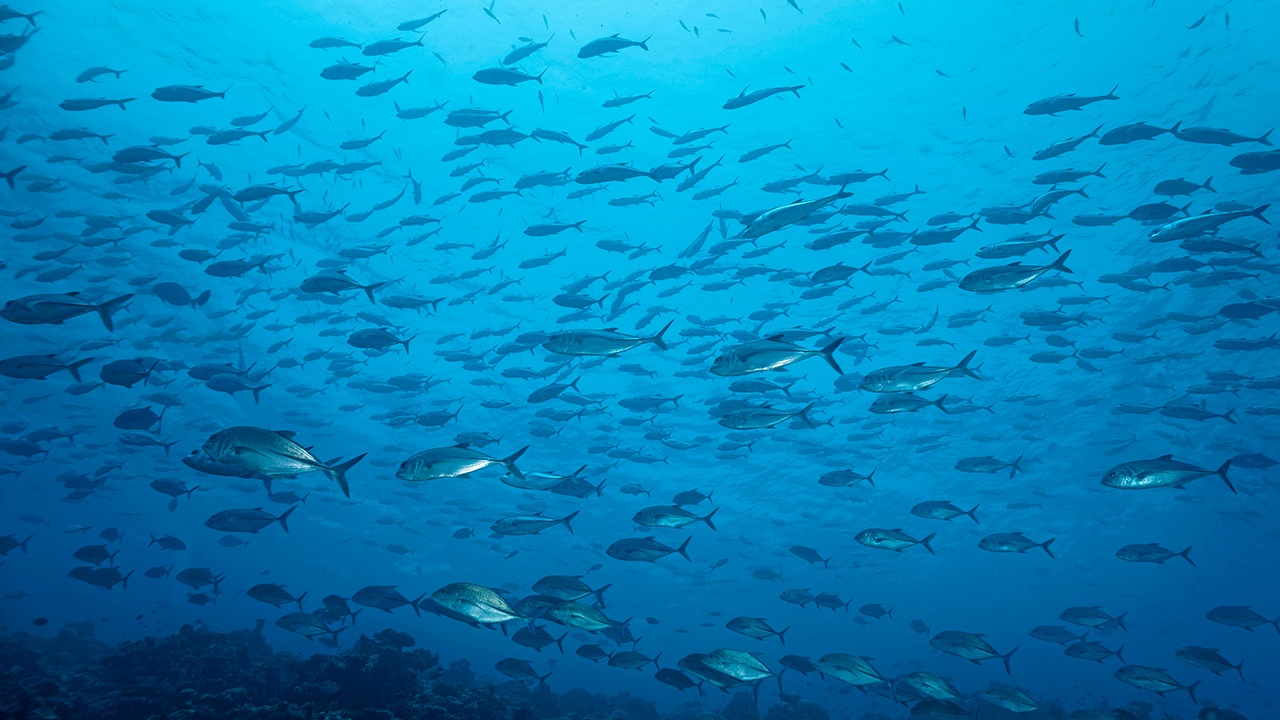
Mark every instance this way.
x=197 y=673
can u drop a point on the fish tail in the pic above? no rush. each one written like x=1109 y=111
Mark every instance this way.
x=1119 y=653
x=972 y=515
x=828 y=354
x=284 y=518
x=1119 y=619
x=1257 y=212
x=1191 y=690
x=1060 y=263
x=338 y=473
x=1208 y=186
x=782 y=636
x=962 y=367
x=1222 y=471
x=12 y=175
x=23 y=545
x=657 y=339
x=124 y=581
x=1045 y=545
x=1005 y=659
x=599 y=593
x=569 y=518
x=510 y=462
x=1186 y=555
x=416 y=610
x=1240 y=669
x=74 y=368
x=684 y=550
x=1014 y=467
x=257 y=393
x=804 y=415
x=1264 y=139
x=368 y=290
x=707 y=519
x=299 y=600
x=926 y=540
x=644 y=44
x=939 y=404
x=543 y=680
x=110 y=307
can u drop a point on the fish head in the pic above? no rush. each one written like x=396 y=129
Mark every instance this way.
x=559 y=342
x=219 y=445
x=1122 y=476
x=726 y=364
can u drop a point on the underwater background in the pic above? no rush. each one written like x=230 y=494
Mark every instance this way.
x=800 y=264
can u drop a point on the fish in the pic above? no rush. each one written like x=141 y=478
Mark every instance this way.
x=1013 y=543
x=600 y=343
x=610 y=45
x=1013 y=276
x=247 y=520
x=646 y=549
x=970 y=646
x=913 y=378
x=477 y=602
x=895 y=540
x=1162 y=472
x=531 y=524
x=771 y=353
x=1152 y=553
x=1154 y=680
x=272 y=454
x=454 y=461
x=744 y=98
x=55 y=309
x=783 y=216
x=757 y=628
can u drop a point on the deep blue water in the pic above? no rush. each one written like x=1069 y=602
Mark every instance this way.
x=1175 y=353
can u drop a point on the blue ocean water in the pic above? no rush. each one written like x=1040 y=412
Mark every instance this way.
x=396 y=227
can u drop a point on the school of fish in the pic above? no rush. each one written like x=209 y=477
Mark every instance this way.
x=787 y=349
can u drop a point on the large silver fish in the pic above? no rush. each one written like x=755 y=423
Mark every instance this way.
x=599 y=343
x=914 y=377
x=272 y=454
x=1010 y=277
x=453 y=461
x=57 y=309
x=1161 y=472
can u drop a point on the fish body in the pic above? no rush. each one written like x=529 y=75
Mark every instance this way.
x=271 y=453
x=1162 y=472
x=55 y=309
x=453 y=461
x=610 y=45
x=913 y=378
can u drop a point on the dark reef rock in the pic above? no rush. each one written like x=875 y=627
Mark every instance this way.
x=199 y=674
